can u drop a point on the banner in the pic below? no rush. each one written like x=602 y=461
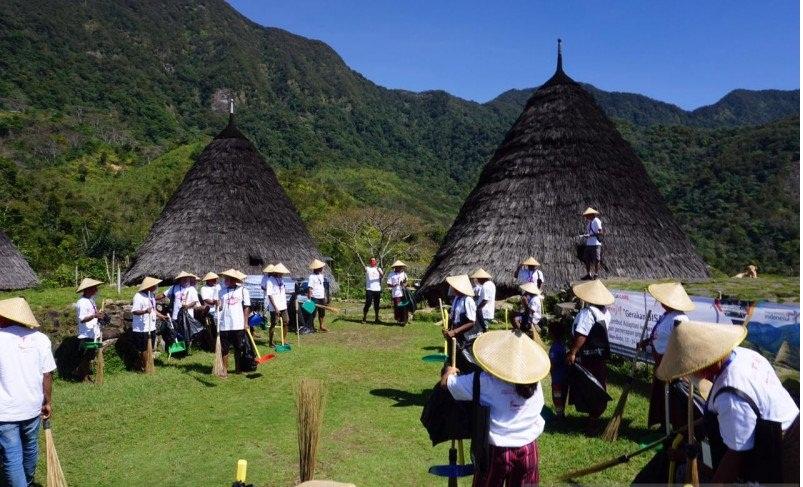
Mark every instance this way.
x=773 y=330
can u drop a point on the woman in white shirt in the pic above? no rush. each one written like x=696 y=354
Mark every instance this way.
x=276 y=299
x=509 y=384
x=528 y=271
x=485 y=292
x=144 y=315
x=316 y=290
x=373 y=289
x=463 y=322
x=397 y=281
x=531 y=304
x=183 y=294
x=87 y=315
x=235 y=306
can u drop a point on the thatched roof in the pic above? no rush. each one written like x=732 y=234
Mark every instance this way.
x=562 y=155
x=16 y=273
x=229 y=211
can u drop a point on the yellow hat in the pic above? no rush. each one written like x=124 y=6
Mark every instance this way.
x=530 y=261
x=511 y=356
x=461 y=284
x=398 y=263
x=694 y=345
x=593 y=292
x=18 y=311
x=530 y=287
x=183 y=274
x=148 y=283
x=316 y=264
x=480 y=274
x=671 y=295
x=268 y=269
x=234 y=274
x=590 y=211
x=209 y=276
x=87 y=283
x=280 y=269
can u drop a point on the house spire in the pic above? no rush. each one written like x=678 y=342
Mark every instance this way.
x=560 y=57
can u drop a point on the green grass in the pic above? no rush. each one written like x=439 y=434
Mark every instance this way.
x=184 y=427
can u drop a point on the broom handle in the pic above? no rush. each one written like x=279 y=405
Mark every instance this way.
x=454 y=352
x=694 y=475
x=253 y=343
x=298 y=331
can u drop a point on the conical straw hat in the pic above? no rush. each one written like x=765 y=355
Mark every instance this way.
x=593 y=292
x=511 y=356
x=234 y=274
x=398 y=263
x=148 y=283
x=268 y=269
x=671 y=295
x=461 y=284
x=280 y=269
x=480 y=274
x=530 y=287
x=703 y=387
x=530 y=261
x=590 y=211
x=316 y=264
x=209 y=276
x=185 y=274
x=87 y=283
x=18 y=311
x=694 y=345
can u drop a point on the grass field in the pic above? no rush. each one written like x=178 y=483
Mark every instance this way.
x=184 y=427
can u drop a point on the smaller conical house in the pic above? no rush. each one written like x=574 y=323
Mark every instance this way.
x=16 y=273
x=229 y=212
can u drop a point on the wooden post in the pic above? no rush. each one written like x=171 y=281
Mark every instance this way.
x=76 y=277
x=118 y=279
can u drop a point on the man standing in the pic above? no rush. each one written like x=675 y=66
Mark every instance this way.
x=317 y=291
x=26 y=381
x=235 y=305
x=276 y=298
x=143 y=321
x=183 y=295
x=397 y=281
x=528 y=271
x=486 y=301
x=373 y=289
x=87 y=315
x=593 y=235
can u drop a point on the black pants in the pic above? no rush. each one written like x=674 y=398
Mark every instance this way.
x=371 y=297
x=140 y=339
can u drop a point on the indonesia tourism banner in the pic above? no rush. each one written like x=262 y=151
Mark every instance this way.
x=773 y=330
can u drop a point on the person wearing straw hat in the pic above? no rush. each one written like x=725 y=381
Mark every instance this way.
x=397 y=281
x=182 y=294
x=512 y=366
x=144 y=315
x=276 y=298
x=316 y=290
x=676 y=303
x=373 y=289
x=235 y=306
x=593 y=249
x=485 y=292
x=463 y=323
x=88 y=316
x=531 y=303
x=209 y=293
x=590 y=346
x=752 y=423
x=26 y=382
x=528 y=271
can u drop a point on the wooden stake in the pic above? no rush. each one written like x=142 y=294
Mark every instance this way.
x=693 y=476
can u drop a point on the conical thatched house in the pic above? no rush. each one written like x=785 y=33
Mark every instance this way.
x=16 y=273
x=229 y=212
x=561 y=156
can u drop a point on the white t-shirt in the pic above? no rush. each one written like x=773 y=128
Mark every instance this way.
x=752 y=374
x=534 y=303
x=515 y=421
x=488 y=293
x=586 y=318
x=463 y=305
x=593 y=228
x=527 y=275
x=373 y=279
x=274 y=286
x=663 y=329
x=315 y=282
x=85 y=307
x=25 y=355
x=232 y=302
x=209 y=292
x=395 y=280
x=183 y=295
x=144 y=323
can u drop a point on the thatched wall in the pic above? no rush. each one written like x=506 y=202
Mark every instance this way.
x=561 y=156
x=15 y=273
x=230 y=211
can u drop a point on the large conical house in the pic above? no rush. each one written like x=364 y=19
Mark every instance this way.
x=16 y=273
x=229 y=212
x=562 y=155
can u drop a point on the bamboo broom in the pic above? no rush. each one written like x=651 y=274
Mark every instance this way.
x=100 y=361
x=612 y=430
x=310 y=403
x=55 y=476
x=218 y=367
x=149 y=367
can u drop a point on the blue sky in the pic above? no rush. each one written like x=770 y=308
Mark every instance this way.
x=689 y=53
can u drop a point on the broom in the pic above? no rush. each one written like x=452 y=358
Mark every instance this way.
x=100 y=362
x=55 y=476
x=218 y=368
x=612 y=430
x=149 y=367
x=310 y=402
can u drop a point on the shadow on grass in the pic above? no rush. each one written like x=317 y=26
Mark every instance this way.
x=369 y=322
x=403 y=398
x=433 y=348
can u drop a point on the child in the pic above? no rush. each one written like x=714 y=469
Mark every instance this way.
x=559 y=371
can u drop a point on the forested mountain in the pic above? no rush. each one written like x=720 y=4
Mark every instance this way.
x=103 y=104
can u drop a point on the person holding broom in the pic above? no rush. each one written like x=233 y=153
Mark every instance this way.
x=143 y=323
x=485 y=292
x=463 y=322
x=531 y=303
x=751 y=421
x=26 y=382
x=235 y=306
x=88 y=317
x=316 y=290
x=397 y=281
x=276 y=298
x=512 y=366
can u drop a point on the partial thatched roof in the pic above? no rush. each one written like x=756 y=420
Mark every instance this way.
x=229 y=211
x=16 y=273
x=561 y=156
